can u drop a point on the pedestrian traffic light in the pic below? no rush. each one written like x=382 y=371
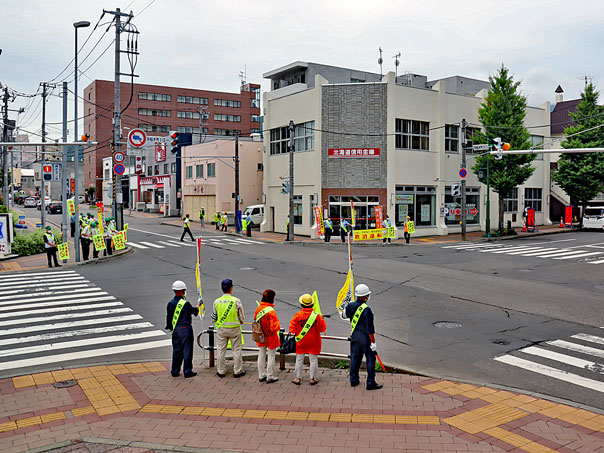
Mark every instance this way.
x=284 y=187
x=456 y=190
x=174 y=141
x=47 y=172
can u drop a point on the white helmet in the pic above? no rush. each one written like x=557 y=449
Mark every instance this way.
x=362 y=290
x=179 y=285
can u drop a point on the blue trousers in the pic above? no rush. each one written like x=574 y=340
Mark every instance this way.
x=182 y=349
x=358 y=349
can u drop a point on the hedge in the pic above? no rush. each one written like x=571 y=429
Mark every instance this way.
x=26 y=244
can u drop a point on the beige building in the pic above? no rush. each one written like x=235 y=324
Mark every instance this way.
x=383 y=141
x=208 y=175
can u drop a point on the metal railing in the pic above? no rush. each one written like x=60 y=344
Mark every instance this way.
x=211 y=346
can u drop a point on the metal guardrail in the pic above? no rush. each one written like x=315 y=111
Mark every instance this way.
x=211 y=346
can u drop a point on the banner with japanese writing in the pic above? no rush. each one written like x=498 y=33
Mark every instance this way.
x=63 y=250
x=125 y=232
x=71 y=206
x=319 y=220
x=352 y=214
x=379 y=216
x=118 y=240
x=410 y=227
x=373 y=234
x=99 y=242
x=100 y=209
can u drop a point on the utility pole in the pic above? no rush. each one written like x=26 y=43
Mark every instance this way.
x=290 y=231
x=42 y=184
x=237 y=182
x=4 y=148
x=463 y=180
x=64 y=176
x=488 y=216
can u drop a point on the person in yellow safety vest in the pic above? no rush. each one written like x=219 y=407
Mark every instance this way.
x=186 y=229
x=217 y=220
x=248 y=224
x=50 y=246
x=224 y=221
x=90 y=232
x=108 y=236
x=228 y=316
x=328 y=229
x=386 y=223
x=406 y=230
x=202 y=217
x=287 y=228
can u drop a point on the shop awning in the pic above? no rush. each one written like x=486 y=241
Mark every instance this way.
x=159 y=186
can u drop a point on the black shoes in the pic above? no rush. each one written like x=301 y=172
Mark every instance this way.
x=191 y=374
x=354 y=384
x=271 y=381
x=220 y=375
x=238 y=375
x=175 y=375
x=262 y=379
x=374 y=386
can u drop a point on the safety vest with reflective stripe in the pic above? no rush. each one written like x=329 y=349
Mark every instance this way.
x=309 y=323
x=50 y=237
x=345 y=226
x=186 y=222
x=328 y=224
x=226 y=312
x=216 y=218
x=181 y=303
x=356 y=317
x=264 y=311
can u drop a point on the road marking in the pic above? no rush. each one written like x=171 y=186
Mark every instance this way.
x=251 y=241
x=169 y=244
x=70 y=315
x=38 y=299
x=74 y=333
x=59 y=302
x=39 y=278
x=597 y=262
x=232 y=241
x=24 y=290
x=563 y=358
x=53 y=273
x=53 y=310
x=186 y=244
x=552 y=372
x=511 y=249
x=554 y=254
x=543 y=252
x=533 y=249
x=579 y=256
x=151 y=232
x=84 y=288
x=59 y=358
x=78 y=343
x=135 y=245
x=150 y=244
x=533 y=253
x=66 y=325
x=470 y=246
x=577 y=348
x=590 y=338
x=58 y=281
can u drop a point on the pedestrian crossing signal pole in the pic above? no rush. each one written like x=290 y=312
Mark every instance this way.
x=290 y=230
x=463 y=180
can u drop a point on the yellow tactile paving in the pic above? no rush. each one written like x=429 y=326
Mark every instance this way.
x=23 y=381
x=8 y=426
x=83 y=411
x=319 y=416
x=29 y=421
x=406 y=420
x=484 y=418
x=428 y=420
x=52 y=417
x=338 y=417
x=254 y=413
x=508 y=437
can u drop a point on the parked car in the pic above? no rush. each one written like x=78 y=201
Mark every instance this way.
x=39 y=203
x=54 y=207
x=257 y=213
x=30 y=202
x=593 y=217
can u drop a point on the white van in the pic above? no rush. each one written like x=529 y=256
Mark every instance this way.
x=257 y=213
x=593 y=218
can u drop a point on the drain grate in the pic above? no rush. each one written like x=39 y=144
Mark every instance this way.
x=65 y=384
x=447 y=325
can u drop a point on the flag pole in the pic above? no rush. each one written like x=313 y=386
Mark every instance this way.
x=202 y=310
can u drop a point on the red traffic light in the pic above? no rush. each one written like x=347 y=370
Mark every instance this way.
x=47 y=169
x=174 y=135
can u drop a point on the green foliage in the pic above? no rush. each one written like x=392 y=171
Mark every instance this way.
x=378 y=367
x=502 y=115
x=342 y=364
x=32 y=243
x=3 y=209
x=581 y=176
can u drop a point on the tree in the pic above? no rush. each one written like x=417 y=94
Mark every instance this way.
x=581 y=176
x=502 y=115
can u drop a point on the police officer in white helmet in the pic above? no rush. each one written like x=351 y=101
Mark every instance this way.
x=362 y=337
x=178 y=320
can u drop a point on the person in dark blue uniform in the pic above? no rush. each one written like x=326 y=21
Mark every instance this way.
x=182 y=330
x=362 y=338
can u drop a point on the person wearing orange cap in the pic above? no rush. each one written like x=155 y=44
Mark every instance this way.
x=307 y=325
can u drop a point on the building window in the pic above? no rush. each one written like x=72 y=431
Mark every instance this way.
x=451 y=138
x=154 y=128
x=165 y=169
x=511 y=204
x=255 y=103
x=417 y=202
x=532 y=199
x=364 y=208
x=173 y=167
x=154 y=97
x=453 y=204
x=154 y=112
x=227 y=103
x=411 y=134
x=255 y=131
x=192 y=100
x=536 y=141
x=304 y=138
x=189 y=172
x=222 y=117
x=157 y=169
x=211 y=170
x=297 y=209
x=199 y=171
x=149 y=170
x=470 y=131
x=188 y=115
x=255 y=118
x=189 y=130
x=227 y=132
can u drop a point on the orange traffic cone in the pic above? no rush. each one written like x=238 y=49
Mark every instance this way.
x=561 y=222
x=524 y=227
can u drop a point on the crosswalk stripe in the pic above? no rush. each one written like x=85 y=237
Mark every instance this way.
x=74 y=333
x=58 y=286
x=169 y=244
x=79 y=343
x=80 y=300
x=150 y=244
x=555 y=254
x=552 y=372
x=67 y=325
x=185 y=244
x=84 y=288
x=539 y=252
x=590 y=338
x=136 y=246
x=251 y=241
x=532 y=249
x=510 y=249
x=59 y=281
x=579 y=256
x=577 y=348
x=98 y=292
x=73 y=307
x=59 y=358
x=597 y=262
x=51 y=273
x=70 y=315
x=556 y=356
x=231 y=241
x=39 y=278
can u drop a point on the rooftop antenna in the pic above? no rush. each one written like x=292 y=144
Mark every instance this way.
x=588 y=79
x=380 y=61
x=243 y=75
x=397 y=61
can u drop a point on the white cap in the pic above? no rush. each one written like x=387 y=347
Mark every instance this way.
x=362 y=290
x=179 y=285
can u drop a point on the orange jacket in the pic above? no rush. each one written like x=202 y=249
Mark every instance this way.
x=270 y=326
x=311 y=343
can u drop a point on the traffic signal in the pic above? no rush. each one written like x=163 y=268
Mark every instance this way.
x=284 y=187
x=456 y=190
x=500 y=146
x=47 y=172
x=174 y=141
x=85 y=137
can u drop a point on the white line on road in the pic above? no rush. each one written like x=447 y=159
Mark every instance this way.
x=52 y=273
x=251 y=241
x=67 y=325
x=74 y=333
x=532 y=249
x=545 y=252
x=151 y=232
x=137 y=246
x=232 y=241
x=563 y=358
x=511 y=249
x=72 y=289
x=169 y=244
x=53 y=310
x=61 y=286
x=590 y=338
x=186 y=244
x=59 y=281
x=552 y=372
x=539 y=252
x=40 y=277
x=553 y=255
x=97 y=292
x=579 y=256
x=70 y=315
x=79 y=343
x=577 y=348
x=26 y=363
x=60 y=302
x=151 y=244
x=597 y=262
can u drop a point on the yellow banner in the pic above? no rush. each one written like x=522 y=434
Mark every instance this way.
x=345 y=294
x=377 y=233
x=71 y=206
x=99 y=242
x=316 y=307
x=63 y=251
x=118 y=240
x=352 y=215
x=125 y=232
x=410 y=227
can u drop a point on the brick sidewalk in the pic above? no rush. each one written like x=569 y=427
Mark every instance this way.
x=142 y=406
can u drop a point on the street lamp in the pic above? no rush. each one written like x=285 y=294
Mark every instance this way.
x=76 y=239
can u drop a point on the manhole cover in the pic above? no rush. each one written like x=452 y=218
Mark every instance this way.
x=247 y=268
x=599 y=286
x=501 y=342
x=447 y=325
x=65 y=384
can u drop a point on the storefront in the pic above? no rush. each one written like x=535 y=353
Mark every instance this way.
x=452 y=208
x=364 y=209
x=417 y=202
x=155 y=193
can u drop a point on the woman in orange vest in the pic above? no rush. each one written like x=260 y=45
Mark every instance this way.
x=270 y=328
x=308 y=326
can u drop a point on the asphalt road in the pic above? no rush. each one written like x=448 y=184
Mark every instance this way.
x=508 y=299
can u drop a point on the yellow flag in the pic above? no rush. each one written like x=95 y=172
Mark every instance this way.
x=345 y=294
x=316 y=307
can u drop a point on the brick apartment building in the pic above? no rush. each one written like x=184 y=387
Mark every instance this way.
x=158 y=110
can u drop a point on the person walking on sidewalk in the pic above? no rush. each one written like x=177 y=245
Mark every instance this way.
x=50 y=246
x=248 y=230
x=386 y=223
x=217 y=220
x=202 y=217
x=267 y=317
x=186 y=229
x=307 y=325
x=224 y=221
x=362 y=337
x=228 y=316
x=328 y=229
x=178 y=320
x=344 y=228
x=406 y=231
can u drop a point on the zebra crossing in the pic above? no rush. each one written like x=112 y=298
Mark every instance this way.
x=167 y=243
x=56 y=317
x=576 y=360
x=591 y=253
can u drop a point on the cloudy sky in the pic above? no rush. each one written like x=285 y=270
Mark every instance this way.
x=200 y=44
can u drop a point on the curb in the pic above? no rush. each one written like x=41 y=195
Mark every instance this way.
x=121 y=443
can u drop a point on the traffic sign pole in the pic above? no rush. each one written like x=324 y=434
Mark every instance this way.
x=463 y=179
